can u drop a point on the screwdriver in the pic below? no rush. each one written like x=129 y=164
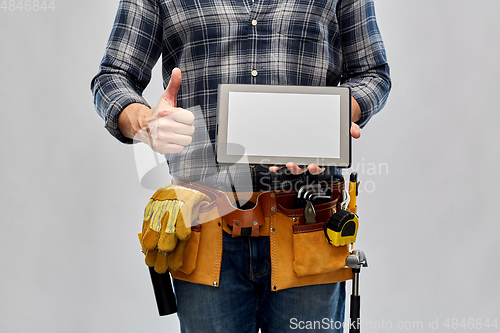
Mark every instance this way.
x=353 y=192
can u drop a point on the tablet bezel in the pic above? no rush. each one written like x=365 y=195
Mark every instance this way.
x=344 y=161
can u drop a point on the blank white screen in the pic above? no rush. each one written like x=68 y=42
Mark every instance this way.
x=284 y=124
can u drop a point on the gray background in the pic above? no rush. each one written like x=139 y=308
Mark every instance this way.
x=71 y=200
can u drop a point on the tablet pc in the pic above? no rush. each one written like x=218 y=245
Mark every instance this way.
x=272 y=124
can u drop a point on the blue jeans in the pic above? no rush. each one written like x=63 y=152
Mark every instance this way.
x=244 y=302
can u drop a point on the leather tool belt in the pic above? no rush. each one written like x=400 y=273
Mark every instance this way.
x=300 y=254
x=254 y=221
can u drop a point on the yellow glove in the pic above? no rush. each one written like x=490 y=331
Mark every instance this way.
x=167 y=225
x=155 y=220
x=159 y=226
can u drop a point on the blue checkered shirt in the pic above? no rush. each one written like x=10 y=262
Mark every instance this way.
x=285 y=42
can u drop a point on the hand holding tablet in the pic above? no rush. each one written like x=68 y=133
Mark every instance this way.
x=313 y=168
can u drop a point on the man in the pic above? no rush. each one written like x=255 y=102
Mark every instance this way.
x=204 y=43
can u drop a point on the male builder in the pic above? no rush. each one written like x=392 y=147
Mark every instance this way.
x=204 y=43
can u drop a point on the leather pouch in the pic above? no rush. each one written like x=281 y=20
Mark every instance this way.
x=203 y=252
x=191 y=251
x=312 y=254
x=304 y=257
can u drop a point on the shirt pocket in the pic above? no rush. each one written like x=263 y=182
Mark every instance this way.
x=307 y=20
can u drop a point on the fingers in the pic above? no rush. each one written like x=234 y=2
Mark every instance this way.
x=314 y=169
x=292 y=167
x=274 y=168
x=168 y=126
x=172 y=135
x=169 y=134
x=169 y=148
x=296 y=170
x=179 y=115
x=177 y=124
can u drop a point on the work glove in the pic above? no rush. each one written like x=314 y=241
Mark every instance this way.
x=168 y=218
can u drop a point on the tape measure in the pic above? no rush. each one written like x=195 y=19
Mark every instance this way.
x=341 y=229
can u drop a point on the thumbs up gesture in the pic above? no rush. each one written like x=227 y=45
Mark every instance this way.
x=170 y=128
x=167 y=129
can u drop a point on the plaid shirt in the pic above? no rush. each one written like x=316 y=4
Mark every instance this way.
x=285 y=42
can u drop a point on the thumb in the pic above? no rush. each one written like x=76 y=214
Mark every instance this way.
x=355 y=131
x=170 y=94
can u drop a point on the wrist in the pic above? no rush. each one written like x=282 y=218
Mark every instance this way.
x=355 y=110
x=144 y=116
x=133 y=118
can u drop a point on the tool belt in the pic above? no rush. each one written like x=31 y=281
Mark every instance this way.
x=252 y=222
x=300 y=254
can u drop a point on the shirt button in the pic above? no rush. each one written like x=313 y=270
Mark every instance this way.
x=254 y=22
x=254 y=73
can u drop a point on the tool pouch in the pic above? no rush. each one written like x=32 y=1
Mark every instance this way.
x=251 y=219
x=203 y=252
x=301 y=256
x=191 y=251
x=312 y=254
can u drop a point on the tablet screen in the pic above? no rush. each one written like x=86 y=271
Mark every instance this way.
x=263 y=124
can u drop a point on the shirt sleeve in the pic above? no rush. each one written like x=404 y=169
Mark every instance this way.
x=365 y=68
x=133 y=49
